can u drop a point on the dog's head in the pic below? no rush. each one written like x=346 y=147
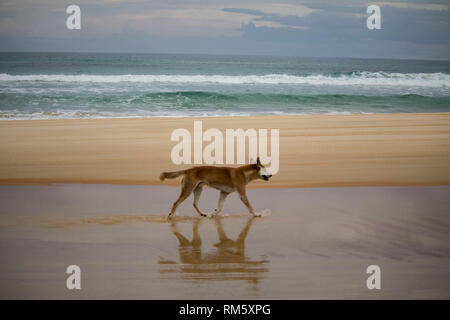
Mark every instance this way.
x=261 y=171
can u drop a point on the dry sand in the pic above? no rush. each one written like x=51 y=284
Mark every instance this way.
x=315 y=151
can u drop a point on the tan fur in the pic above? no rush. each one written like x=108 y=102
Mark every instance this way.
x=225 y=179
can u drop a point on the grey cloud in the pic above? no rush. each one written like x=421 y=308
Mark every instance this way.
x=413 y=25
x=336 y=28
x=243 y=10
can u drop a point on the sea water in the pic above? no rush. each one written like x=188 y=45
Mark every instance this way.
x=101 y=85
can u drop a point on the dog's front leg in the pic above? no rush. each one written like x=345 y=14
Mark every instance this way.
x=247 y=203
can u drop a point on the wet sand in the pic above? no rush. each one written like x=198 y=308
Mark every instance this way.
x=315 y=150
x=315 y=243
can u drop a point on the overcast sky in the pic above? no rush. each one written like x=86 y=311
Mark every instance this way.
x=410 y=29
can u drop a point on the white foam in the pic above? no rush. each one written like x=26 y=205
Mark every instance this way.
x=17 y=115
x=356 y=78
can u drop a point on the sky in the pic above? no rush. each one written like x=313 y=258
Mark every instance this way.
x=416 y=29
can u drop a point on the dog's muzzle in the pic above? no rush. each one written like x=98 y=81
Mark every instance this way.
x=266 y=177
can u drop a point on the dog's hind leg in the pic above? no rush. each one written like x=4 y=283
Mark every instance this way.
x=223 y=196
x=197 y=193
x=187 y=185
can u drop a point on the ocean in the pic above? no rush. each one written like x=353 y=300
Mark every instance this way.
x=101 y=85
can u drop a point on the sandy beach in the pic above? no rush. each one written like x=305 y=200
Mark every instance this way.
x=315 y=151
x=339 y=112
x=86 y=192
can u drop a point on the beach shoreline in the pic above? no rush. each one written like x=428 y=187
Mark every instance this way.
x=411 y=149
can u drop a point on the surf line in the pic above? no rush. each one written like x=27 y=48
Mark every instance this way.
x=213 y=153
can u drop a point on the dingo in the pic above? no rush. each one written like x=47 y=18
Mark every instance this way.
x=225 y=179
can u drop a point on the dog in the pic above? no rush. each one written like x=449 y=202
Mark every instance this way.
x=224 y=179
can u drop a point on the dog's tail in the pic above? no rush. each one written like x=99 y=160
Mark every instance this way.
x=171 y=175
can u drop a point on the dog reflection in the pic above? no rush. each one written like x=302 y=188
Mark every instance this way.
x=228 y=260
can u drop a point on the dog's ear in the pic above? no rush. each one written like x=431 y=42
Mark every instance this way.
x=258 y=163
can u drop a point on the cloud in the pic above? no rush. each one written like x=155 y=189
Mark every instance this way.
x=417 y=6
x=273 y=24
x=274 y=16
x=280 y=9
x=404 y=23
x=414 y=28
x=244 y=11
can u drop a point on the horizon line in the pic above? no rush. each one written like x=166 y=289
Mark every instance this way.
x=228 y=54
